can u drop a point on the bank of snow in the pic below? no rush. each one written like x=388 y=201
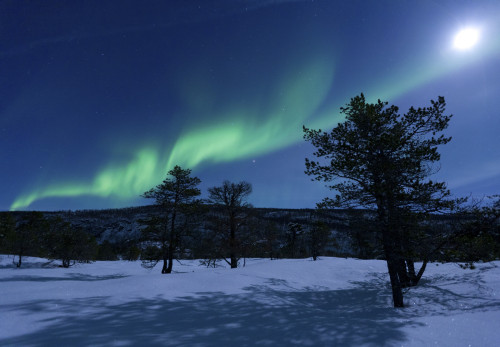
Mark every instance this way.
x=332 y=301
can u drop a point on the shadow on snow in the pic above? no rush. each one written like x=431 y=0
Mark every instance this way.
x=262 y=316
x=270 y=314
x=65 y=277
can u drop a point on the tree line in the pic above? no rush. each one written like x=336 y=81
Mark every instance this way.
x=199 y=235
x=54 y=238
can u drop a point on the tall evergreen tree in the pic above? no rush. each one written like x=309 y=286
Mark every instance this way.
x=381 y=160
x=176 y=196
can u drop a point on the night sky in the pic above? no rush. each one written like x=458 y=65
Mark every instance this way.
x=99 y=99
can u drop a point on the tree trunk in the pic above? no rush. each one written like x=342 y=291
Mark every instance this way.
x=170 y=263
x=393 y=248
x=234 y=261
x=18 y=264
x=166 y=256
x=418 y=276
x=415 y=277
x=397 y=293
x=232 y=244
x=404 y=276
x=164 y=268
x=393 y=266
x=170 y=260
x=65 y=263
x=411 y=272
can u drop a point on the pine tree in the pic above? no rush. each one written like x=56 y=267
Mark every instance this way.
x=176 y=196
x=381 y=160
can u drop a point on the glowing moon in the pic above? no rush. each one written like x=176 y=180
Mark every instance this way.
x=466 y=38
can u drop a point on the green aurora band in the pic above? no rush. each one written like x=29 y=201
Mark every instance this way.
x=120 y=181
x=245 y=133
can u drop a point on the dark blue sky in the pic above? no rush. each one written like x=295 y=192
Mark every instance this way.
x=100 y=98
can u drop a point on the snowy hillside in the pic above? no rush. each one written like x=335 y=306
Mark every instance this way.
x=122 y=226
x=334 y=301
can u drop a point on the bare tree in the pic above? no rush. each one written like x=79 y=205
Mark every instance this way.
x=68 y=244
x=231 y=197
x=318 y=238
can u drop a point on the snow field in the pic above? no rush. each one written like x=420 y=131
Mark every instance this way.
x=332 y=301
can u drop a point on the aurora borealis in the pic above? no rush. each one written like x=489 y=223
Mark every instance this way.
x=100 y=100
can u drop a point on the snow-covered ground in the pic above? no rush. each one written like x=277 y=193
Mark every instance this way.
x=331 y=302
